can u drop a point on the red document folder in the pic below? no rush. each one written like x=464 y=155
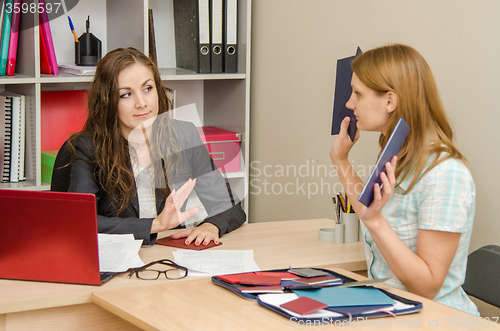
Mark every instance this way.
x=180 y=243
x=44 y=58
x=47 y=37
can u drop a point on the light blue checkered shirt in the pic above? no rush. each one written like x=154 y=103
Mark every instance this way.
x=442 y=200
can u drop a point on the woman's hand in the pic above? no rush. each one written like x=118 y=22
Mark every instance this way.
x=204 y=233
x=171 y=215
x=342 y=144
x=380 y=195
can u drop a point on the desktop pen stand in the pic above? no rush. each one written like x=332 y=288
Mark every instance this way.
x=87 y=50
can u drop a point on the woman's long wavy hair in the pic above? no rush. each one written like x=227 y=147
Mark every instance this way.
x=402 y=70
x=112 y=153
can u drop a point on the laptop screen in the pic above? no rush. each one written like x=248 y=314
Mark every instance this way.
x=49 y=236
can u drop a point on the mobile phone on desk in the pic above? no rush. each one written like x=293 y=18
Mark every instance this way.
x=307 y=272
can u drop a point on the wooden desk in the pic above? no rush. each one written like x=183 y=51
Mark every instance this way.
x=202 y=305
x=28 y=305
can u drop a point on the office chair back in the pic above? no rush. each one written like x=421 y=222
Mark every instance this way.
x=482 y=280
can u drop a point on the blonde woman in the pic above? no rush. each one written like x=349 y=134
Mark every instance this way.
x=420 y=222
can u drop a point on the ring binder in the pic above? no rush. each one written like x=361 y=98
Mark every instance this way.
x=217 y=20
x=15 y=109
x=231 y=37
x=5 y=39
x=192 y=35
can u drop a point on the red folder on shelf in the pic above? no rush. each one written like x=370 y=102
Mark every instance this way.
x=47 y=37
x=44 y=58
x=14 y=32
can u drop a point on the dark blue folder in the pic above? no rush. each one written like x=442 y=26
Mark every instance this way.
x=391 y=149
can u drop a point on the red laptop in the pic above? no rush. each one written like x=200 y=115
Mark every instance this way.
x=49 y=236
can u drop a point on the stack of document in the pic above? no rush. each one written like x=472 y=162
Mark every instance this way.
x=77 y=70
x=217 y=262
x=118 y=252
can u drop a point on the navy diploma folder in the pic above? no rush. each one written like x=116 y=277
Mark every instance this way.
x=391 y=149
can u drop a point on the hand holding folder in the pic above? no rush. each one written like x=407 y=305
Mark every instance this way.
x=343 y=92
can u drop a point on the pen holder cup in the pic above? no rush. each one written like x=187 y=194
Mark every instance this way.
x=351 y=222
x=87 y=50
x=327 y=234
x=339 y=233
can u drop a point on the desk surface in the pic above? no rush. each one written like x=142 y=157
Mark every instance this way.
x=203 y=305
x=275 y=245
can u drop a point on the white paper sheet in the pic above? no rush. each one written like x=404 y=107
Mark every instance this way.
x=118 y=252
x=217 y=262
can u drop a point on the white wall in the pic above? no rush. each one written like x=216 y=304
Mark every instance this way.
x=295 y=46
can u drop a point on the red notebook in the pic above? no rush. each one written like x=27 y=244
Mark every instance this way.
x=231 y=279
x=253 y=279
x=180 y=243
x=282 y=275
x=304 y=305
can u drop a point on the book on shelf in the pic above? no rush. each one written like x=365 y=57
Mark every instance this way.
x=5 y=136
x=14 y=160
x=152 y=39
x=77 y=70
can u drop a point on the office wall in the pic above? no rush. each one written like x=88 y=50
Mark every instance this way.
x=295 y=46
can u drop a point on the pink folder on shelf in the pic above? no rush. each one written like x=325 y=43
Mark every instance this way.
x=47 y=37
x=14 y=31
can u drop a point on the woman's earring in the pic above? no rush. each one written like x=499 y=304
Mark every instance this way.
x=388 y=114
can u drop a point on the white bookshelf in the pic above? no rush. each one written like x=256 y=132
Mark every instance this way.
x=223 y=100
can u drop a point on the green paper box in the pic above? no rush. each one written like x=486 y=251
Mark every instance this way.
x=48 y=159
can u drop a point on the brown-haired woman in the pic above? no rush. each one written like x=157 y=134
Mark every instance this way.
x=419 y=224
x=140 y=163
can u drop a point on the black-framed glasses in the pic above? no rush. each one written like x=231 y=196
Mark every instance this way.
x=150 y=272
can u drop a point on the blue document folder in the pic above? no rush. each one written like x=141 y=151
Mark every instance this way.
x=391 y=149
x=343 y=92
x=347 y=296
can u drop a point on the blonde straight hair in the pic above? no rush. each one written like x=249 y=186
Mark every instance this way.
x=402 y=70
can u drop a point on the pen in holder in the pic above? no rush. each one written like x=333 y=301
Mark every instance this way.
x=88 y=48
x=350 y=221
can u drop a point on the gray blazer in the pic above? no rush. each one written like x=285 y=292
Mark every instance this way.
x=221 y=203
